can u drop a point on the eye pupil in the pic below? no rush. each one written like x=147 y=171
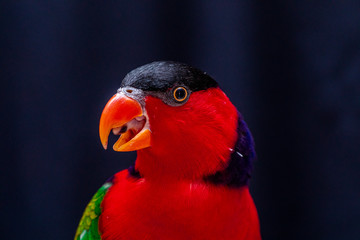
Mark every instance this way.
x=180 y=94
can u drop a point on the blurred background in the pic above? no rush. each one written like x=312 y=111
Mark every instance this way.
x=291 y=67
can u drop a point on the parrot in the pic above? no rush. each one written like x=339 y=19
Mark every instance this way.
x=195 y=154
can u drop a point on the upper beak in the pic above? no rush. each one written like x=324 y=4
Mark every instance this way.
x=124 y=115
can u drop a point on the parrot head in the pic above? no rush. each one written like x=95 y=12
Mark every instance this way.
x=181 y=124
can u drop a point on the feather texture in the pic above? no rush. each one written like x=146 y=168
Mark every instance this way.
x=88 y=227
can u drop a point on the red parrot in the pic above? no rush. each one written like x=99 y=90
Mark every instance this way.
x=194 y=159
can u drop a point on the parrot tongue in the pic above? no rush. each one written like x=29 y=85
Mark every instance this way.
x=134 y=126
x=132 y=134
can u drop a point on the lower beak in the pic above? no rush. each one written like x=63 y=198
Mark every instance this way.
x=124 y=116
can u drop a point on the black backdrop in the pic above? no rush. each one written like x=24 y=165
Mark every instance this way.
x=293 y=70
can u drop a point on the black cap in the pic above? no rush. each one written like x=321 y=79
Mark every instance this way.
x=162 y=75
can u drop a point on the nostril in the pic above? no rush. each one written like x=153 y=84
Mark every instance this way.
x=129 y=90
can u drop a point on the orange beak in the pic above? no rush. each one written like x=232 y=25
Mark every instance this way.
x=124 y=115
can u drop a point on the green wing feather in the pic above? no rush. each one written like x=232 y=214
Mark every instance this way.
x=88 y=226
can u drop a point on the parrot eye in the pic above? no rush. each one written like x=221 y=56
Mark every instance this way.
x=180 y=94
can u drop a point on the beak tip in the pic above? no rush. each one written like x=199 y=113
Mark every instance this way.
x=103 y=134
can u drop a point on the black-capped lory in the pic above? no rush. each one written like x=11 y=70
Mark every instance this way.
x=194 y=160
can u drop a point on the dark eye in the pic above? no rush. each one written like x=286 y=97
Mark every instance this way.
x=180 y=94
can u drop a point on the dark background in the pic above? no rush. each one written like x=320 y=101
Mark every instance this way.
x=292 y=69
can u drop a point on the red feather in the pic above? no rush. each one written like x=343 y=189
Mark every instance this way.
x=139 y=209
x=171 y=200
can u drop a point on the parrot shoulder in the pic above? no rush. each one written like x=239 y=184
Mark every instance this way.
x=88 y=226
